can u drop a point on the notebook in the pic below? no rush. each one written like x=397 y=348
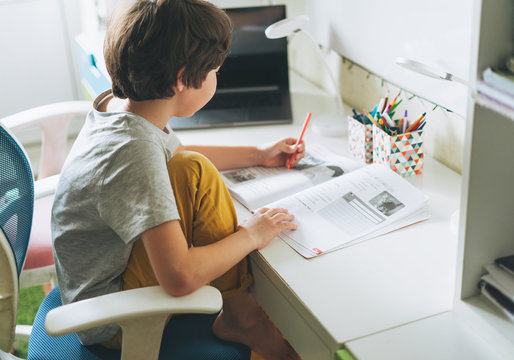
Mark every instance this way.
x=253 y=82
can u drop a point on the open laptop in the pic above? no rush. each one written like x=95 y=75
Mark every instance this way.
x=253 y=82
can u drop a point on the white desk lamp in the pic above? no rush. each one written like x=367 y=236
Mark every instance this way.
x=331 y=124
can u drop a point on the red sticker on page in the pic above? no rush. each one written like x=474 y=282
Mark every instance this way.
x=317 y=250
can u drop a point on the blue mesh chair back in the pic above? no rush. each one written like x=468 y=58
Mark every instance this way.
x=16 y=196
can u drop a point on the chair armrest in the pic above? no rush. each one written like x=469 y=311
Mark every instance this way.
x=46 y=186
x=40 y=114
x=129 y=305
x=53 y=121
x=22 y=333
x=7 y=356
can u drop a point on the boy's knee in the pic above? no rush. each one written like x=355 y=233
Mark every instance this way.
x=191 y=161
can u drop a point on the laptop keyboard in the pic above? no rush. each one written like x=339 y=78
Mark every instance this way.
x=244 y=100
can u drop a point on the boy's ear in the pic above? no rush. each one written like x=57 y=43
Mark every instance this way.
x=180 y=85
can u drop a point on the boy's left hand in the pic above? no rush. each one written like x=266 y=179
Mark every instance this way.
x=279 y=153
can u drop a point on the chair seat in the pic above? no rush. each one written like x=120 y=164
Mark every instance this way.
x=39 y=253
x=186 y=337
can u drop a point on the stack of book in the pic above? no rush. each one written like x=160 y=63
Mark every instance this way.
x=498 y=86
x=498 y=285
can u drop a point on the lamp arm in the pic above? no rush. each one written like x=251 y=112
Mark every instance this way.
x=327 y=66
x=427 y=70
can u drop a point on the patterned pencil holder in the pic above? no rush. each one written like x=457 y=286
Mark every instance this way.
x=360 y=140
x=403 y=152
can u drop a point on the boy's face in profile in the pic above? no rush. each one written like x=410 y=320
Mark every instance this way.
x=191 y=100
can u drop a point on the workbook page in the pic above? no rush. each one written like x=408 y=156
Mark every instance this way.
x=257 y=186
x=342 y=210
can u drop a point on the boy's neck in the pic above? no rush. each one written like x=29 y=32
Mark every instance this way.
x=158 y=112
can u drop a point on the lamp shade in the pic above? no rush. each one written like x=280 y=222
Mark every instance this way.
x=286 y=27
x=330 y=124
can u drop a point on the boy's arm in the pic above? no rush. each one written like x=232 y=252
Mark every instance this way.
x=181 y=270
x=230 y=157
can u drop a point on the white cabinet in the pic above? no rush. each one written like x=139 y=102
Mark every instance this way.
x=486 y=228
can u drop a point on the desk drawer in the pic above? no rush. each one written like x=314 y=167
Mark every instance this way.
x=290 y=322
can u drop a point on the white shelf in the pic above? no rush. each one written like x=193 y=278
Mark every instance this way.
x=493 y=105
x=488 y=323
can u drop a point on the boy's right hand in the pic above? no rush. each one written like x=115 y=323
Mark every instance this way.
x=265 y=224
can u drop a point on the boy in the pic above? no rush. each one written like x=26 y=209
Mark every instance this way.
x=134 y=207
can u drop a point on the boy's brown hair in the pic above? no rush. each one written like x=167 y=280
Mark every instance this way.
x=147 y=44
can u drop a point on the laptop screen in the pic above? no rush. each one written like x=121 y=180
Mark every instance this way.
x=254 y=60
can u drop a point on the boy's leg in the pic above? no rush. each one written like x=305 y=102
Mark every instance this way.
x=210 y=205
x=207 y=212
x=208 y=215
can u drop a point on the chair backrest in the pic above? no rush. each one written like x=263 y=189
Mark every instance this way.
x=16 y=208
x=16 y=195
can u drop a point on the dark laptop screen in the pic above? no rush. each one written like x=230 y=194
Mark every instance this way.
x=254 y=60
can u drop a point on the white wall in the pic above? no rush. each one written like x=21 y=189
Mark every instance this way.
x=36 y=67
x=375 y=33
x=349 y=29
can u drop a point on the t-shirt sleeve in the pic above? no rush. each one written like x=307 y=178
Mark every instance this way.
x=136 y=193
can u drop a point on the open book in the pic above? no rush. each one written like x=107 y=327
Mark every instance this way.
x=339 y=204
x=255 y=187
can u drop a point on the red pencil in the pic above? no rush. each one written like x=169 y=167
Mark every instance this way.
x=298 y=141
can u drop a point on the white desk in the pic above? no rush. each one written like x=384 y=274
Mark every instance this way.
x=323 y=303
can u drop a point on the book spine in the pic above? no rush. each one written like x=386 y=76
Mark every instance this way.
x=500 y=81
x=497 y=298
x=495 y=94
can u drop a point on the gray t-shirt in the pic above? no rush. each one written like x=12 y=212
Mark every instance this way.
x=114 y=186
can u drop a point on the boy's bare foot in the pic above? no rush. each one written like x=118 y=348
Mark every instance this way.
x=242 y=320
